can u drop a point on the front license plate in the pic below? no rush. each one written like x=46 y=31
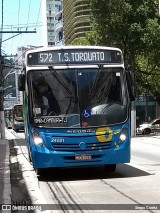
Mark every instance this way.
x=83 y=157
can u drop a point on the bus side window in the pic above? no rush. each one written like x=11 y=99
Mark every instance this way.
x=21 y=82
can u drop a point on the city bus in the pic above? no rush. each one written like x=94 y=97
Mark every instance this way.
x=17 y=118
x=8 y=117
x=77 y=103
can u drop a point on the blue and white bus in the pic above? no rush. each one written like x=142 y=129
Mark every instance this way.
x=17 y=118
x=76 y=107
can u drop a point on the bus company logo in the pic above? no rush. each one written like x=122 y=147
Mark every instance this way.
x=104 y=134
x=82 y=145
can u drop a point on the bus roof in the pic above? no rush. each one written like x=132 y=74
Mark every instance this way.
x=72 y=47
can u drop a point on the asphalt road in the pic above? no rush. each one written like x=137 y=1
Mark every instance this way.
x=135 y=183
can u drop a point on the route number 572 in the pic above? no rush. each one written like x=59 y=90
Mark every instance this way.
x=45 y=57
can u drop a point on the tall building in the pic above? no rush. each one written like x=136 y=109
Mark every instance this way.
x=59 y=27
x=12 y=95
x=19 y=62
x=76 y=19
x=49 y=10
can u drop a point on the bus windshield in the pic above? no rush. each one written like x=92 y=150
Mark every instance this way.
x=18 y=113
x=82 y=97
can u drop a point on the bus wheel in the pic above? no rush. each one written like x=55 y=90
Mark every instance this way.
x=29 y=156
x=110 y=167
x=39 y=171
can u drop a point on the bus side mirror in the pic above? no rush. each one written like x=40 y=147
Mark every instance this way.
x=130 y=84
x=21 y=82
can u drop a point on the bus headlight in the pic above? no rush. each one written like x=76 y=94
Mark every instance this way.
x=37 y=139
x=122 y=137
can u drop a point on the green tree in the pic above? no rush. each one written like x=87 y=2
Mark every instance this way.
x=133 y=26
x=80 y=41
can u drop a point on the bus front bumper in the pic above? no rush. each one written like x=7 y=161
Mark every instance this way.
x=44 y=158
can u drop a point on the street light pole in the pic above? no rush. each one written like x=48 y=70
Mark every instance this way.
x=2 y=120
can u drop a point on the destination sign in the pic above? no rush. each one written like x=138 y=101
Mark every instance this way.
x=47 y=120
x=74 y=56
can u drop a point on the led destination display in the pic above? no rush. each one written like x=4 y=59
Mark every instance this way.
x=74 y=56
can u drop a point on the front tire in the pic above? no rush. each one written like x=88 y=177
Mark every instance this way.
x=110 y=167
x=39 y=171
x=29 y=156
x=146 y=131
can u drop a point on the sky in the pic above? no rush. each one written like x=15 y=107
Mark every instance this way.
x=20 y=14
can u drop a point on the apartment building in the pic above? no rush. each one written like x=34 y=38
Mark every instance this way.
x=49 y=20
x=59 y=27
x=76 y=19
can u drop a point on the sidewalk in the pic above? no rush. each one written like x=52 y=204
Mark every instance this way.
x=5 y=186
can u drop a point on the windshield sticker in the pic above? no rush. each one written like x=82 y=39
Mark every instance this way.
x=104 y=134
x=37 y=111
x=86 y=113
x=81 y=131
x=84 y=124
x=47 y=120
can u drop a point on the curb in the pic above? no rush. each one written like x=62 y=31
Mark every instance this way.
x=7 y=183
x=31 y=180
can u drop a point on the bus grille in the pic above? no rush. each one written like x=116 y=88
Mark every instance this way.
x=74 y=147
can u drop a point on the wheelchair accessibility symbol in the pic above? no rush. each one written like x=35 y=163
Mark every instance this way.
x=86 y=113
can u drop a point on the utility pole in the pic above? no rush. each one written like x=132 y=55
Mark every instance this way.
x=2 y=118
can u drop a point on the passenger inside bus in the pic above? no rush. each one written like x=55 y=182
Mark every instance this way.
x=51 y=106
x=40 y=105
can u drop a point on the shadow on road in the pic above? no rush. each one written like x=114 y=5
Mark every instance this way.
x=155 y=134
x=90 y=173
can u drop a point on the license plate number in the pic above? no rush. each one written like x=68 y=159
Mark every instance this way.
x=83 y=157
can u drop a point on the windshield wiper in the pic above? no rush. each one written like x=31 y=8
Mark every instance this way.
x=59 y=79
x=92 y=92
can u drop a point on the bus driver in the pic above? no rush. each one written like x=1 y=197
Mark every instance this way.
x=49 y=100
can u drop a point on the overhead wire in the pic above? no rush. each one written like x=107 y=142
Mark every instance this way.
x=1 y=30
x=19 y=11
x=28 y=13
x=11 y=41
x=15 y=25
x=36 y=24
x=18 y=28
x=28 y=21
x=27 y=25
x=19 y=41
x=38 y=13
x=2 y=16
